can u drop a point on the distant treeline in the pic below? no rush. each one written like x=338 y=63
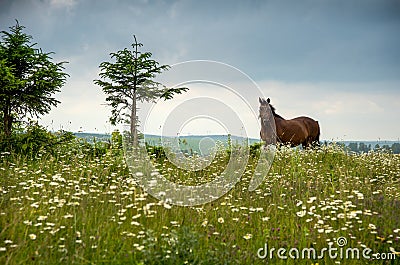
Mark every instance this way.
x=360 y=147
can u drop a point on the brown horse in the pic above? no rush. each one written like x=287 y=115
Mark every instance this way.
x=300 y=130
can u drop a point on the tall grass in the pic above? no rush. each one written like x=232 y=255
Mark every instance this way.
x=79 y=207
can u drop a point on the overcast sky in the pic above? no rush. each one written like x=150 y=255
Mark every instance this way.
x=335 y=61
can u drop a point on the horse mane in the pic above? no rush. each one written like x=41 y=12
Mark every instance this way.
x=274 y=112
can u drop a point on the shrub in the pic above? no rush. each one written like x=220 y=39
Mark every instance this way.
x=34 y=139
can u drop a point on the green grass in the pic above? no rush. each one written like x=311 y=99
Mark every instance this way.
x=75 y=208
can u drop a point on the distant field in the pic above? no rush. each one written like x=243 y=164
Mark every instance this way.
x=190 y=144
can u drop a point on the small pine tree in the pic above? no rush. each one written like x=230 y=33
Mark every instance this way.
x=130 y=79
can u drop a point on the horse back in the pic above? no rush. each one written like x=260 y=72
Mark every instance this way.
x=312 y=127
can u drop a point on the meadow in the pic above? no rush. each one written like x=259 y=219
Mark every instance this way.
x=81 y=206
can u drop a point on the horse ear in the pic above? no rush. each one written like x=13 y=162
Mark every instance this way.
x=260 y=100
x=268 y=100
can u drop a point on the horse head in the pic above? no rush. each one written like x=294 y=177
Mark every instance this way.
x=268 y=131
x=265 y=110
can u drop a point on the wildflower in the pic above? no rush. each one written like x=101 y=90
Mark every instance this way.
x=68 y=216
x=35 y=205
x=340 y=215
x=394 y=251
x=311 y=199
x=380 y=238
x=152 y=183
x=41 y=218
x=174 y=223
x=140 y=248
x=301 y=213
x=32 y=236
x=204 y=223
x=136 y=216
x=2 y=249
x=259 y=209
x=221 y=220
x=248 y=236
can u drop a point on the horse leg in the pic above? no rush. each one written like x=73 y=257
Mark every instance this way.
x=307 y=142
x=315 y=143
x=304 y=144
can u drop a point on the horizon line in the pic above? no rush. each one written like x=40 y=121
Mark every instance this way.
x=252 y=138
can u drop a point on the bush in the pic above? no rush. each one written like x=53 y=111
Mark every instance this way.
x=255 y=150
x=116 y=140
x=34 y=139
x=156 y=151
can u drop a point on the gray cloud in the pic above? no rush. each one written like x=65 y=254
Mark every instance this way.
x=340 y=40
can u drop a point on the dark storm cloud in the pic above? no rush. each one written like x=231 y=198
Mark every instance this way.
x=289 y=40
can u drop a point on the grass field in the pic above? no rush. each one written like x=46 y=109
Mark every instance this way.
x=76 y=207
